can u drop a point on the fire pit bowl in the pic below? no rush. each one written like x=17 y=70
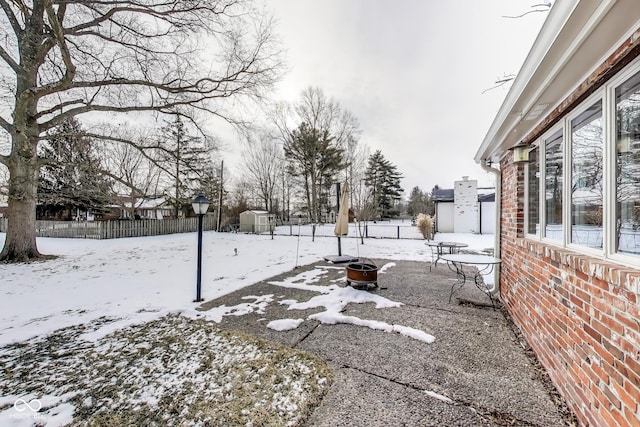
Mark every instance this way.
x=361 y=274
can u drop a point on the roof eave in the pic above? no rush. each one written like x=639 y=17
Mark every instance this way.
x=510 y=124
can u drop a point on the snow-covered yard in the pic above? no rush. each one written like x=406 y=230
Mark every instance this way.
x=131 y=329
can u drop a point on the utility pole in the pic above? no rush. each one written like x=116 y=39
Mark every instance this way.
x=177 y=207
x=219 y=219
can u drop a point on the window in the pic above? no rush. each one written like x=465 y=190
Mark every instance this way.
x=587 y=177
x=583 y=179
x=627 y=208
x=533 y=196
x=553 y=186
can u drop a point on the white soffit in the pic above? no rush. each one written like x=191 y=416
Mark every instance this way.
x=576 y=37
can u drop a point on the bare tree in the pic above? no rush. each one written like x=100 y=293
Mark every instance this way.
x=320 y=113
x=263 y=163
x=65 y=58
x=136 y=175
x=315 y=131
x=356 y=157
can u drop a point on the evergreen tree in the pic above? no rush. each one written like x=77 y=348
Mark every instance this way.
x=186 y=159
x=420 y=202
x=71 y=177
x=315 y=159
x=383 y=178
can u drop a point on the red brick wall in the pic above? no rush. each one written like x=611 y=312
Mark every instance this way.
x=579 y=314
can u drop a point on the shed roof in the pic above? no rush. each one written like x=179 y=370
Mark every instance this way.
x=255 y=212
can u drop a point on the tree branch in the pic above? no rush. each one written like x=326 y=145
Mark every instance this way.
x=5 y=125
x=15 y=24
x=10 y=61
x=526 y=13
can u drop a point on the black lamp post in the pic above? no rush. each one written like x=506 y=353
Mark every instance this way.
x=200 y=206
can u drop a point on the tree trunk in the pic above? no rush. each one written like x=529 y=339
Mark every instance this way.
x=22 y=162
x=20 y=242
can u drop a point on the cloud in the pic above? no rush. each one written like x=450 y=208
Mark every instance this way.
x=413 y=72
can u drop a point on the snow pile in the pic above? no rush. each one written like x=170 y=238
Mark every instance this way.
x=334 y=299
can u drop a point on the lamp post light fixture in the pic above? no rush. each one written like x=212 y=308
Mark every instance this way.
x=200 y=206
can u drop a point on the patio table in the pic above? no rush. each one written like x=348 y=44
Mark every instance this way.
x=441 y=247
x=482 y=264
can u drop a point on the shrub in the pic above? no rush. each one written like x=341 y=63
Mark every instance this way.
x=425 y=225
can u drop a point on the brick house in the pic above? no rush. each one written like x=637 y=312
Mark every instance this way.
x=569 y=218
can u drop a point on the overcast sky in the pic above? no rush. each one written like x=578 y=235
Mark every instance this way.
x=411 y=71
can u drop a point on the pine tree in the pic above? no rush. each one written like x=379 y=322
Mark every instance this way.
x=419 y=202
x=314 y=158
x=186 y=159
x=71 y=177
x=383 y=178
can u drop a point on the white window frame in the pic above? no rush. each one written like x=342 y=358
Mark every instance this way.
x=631 y=70
x=585 y=105
x=541 y=145
x=606 y=95
x=542 y=198
x=527 y=186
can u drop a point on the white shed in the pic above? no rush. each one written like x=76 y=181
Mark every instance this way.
x=252 y=221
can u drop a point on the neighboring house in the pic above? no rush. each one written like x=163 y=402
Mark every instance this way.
x=464 y=208
x=569 y=223
x=150 y=209
x=253 y=221
x=157 y=208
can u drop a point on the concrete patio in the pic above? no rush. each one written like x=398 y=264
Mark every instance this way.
x=477 y=372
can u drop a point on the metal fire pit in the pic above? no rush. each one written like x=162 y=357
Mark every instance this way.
x=361 y=274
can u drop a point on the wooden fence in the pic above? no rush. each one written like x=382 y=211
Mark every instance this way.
x=149 y=227
x=117 y=229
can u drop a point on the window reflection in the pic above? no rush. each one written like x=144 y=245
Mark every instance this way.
x=628 y=166
x=533 y=173
x=553 y=186
x=586 y=177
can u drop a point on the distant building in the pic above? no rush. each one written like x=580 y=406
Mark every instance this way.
x=254 y=221
x=465 y=208
x=151 y=209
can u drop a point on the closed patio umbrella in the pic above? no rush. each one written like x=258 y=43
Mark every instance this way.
x=342 y=221
x=342 y=225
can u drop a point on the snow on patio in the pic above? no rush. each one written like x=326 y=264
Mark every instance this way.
x=121 y=278
x=113 y=296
